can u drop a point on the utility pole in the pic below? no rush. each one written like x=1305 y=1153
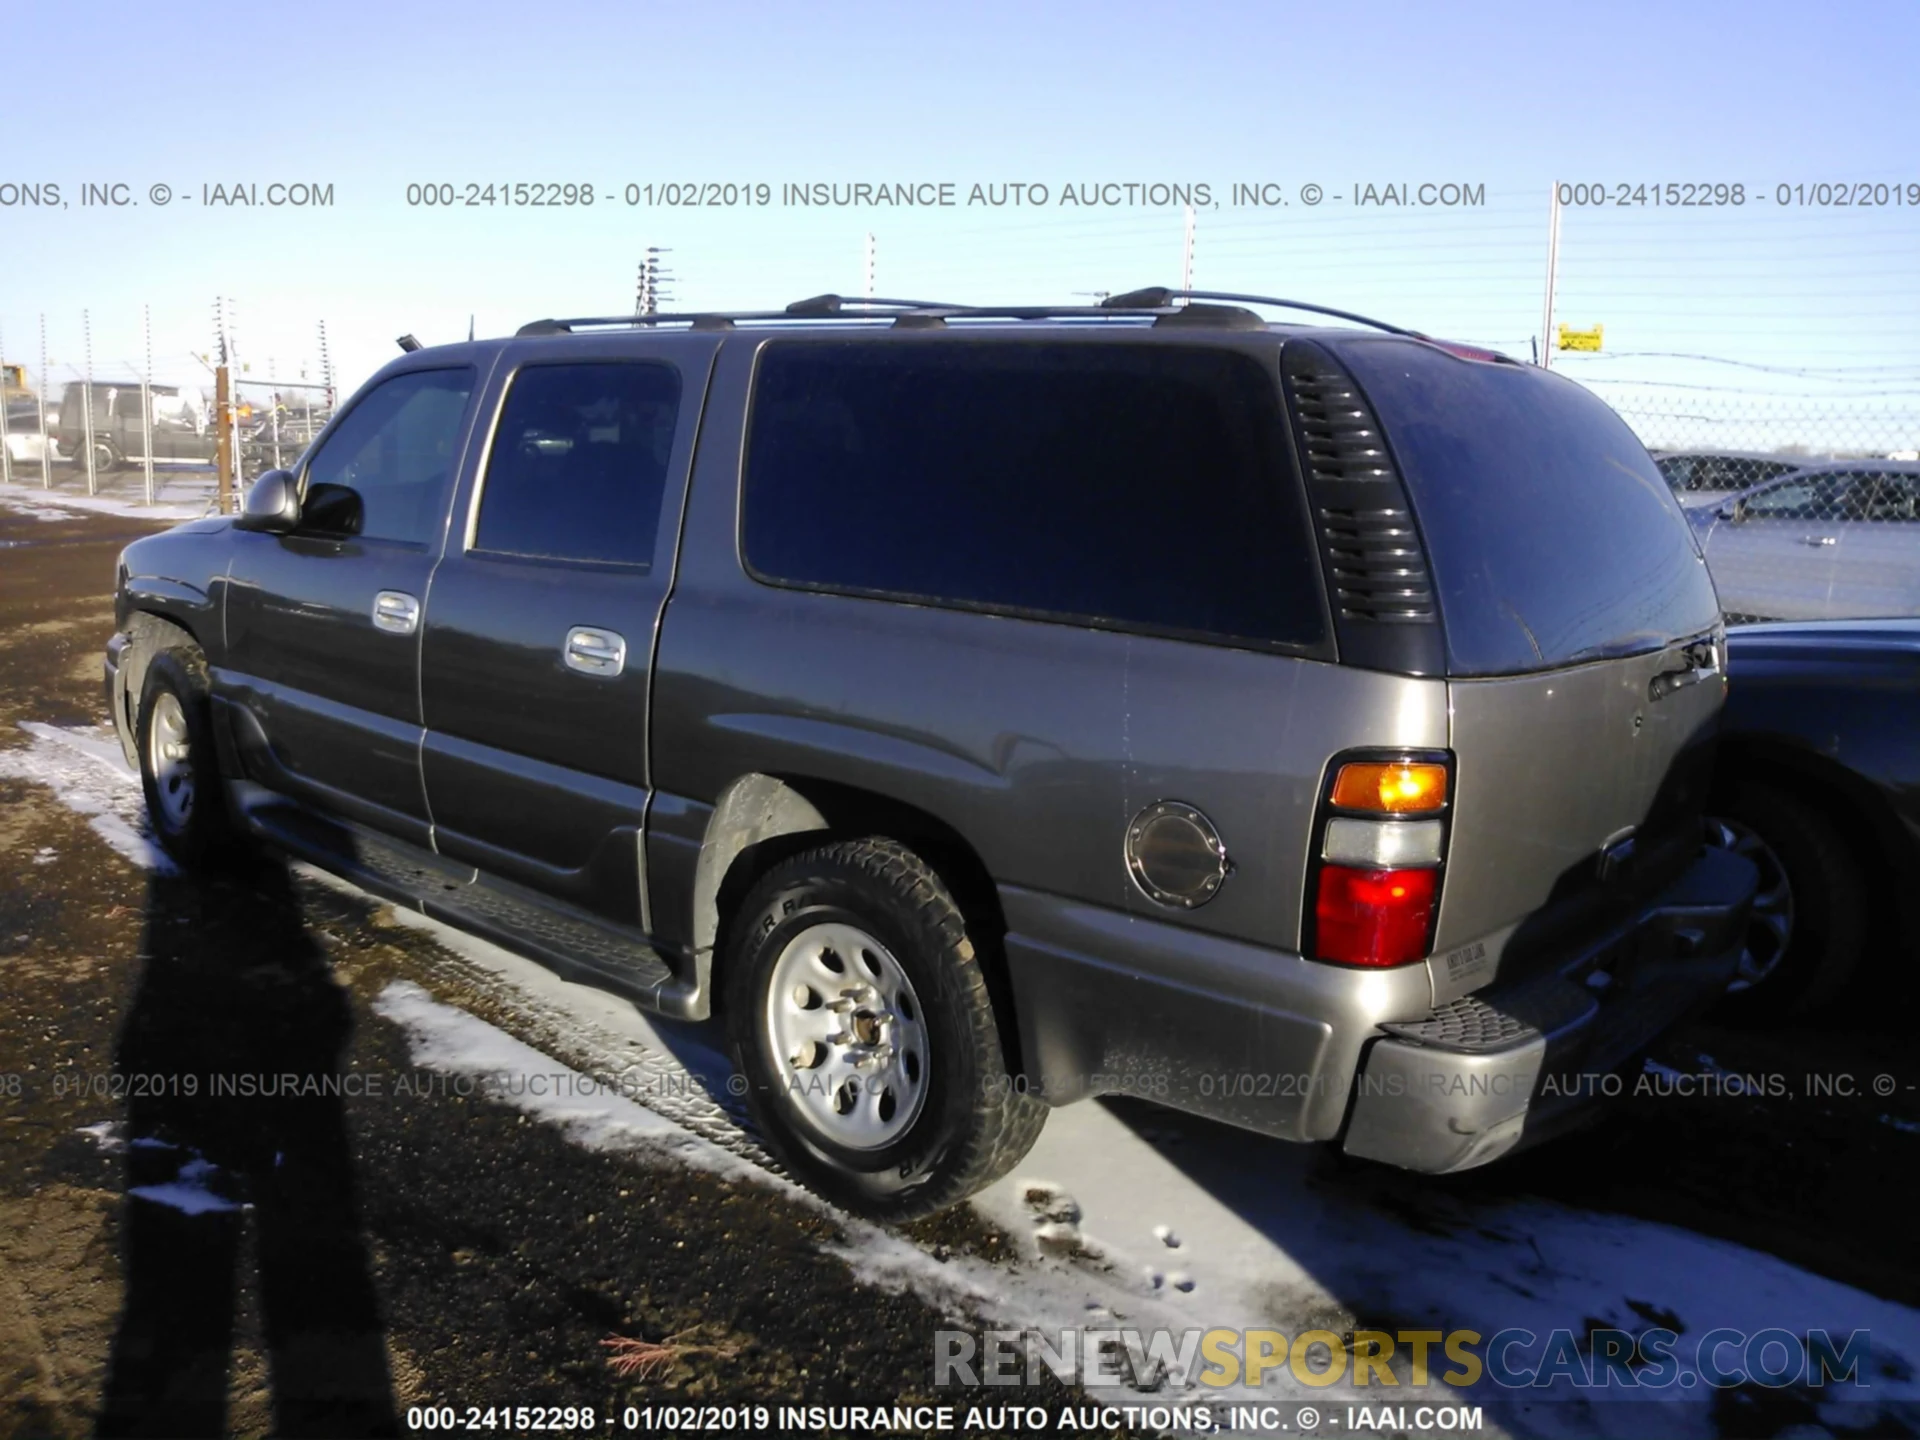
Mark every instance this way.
x=651 y=289
x=1553 y=271
x=1186 y=254
x=86 y=409
x=223 y=410
x=235 y=366
x=46 y=449
x=223 y=453
x=871 y=260
x=274 y=382
x=6 y=420
x=146 y=398
x=326 y=367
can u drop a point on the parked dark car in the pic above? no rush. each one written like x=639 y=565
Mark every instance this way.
x=998 y=707
x=181 y=432
x=1831 y=542
x=1819 y=784
x=1705 y=477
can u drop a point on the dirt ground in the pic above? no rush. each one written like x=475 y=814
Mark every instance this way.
x=444 y=1247
x=448 y=1248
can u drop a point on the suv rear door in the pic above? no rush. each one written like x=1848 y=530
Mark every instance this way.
x=323 y=623
x=1583 y=675
x=538 y=648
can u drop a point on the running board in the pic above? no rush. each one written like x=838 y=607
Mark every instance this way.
x=576 y=946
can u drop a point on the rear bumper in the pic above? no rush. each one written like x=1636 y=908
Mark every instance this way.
x=1511 y=1065
x=1108 y=1003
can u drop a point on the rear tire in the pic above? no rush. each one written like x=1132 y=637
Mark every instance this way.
x=179 y=765
x=1805 y=862
x=860 y=1017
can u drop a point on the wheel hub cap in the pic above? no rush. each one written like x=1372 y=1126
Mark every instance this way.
x=846 y=1035
x=1770 y=922
x=170 y=759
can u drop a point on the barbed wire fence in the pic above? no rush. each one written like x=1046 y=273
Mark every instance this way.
x=148 y=431
x=151 y=430
x=1792 y=427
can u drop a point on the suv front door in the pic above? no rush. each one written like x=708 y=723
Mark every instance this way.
x=537 y=657
x=323 y=624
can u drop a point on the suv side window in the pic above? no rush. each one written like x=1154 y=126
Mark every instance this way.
x=1895 y=497
x=1142 y=487
x=1811 y=498
x=126 y=405
x=579 y=462
x=387 y=467
x=172 y=412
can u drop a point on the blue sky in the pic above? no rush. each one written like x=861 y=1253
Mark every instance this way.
x=370 y=98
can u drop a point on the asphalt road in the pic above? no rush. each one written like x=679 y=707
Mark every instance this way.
x=322 y=1264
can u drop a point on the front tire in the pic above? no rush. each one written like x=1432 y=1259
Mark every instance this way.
x=860 y=1017
x=179 y=766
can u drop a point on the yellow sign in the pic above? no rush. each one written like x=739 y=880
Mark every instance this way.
x=1581 y=339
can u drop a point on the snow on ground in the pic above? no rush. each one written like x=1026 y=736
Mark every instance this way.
x=176 y=497
x=1131 y=1217
x=197 y=1182
x=591 y=1110
x=86 y=770
x=190 y=1191
x=1185 y=1225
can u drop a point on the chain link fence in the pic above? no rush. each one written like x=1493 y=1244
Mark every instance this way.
x=146 y=432
x=1807 y=509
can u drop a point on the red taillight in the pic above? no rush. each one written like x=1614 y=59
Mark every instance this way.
x=1375 y=918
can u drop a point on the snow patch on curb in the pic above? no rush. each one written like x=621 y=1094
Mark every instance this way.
x=60 y=504
x=87 y=773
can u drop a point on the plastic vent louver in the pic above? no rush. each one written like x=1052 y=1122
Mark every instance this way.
x=1376 y=565
x=1342 y=437
x=1378 y=570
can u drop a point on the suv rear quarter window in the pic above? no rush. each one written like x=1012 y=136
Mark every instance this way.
x=1143 y=487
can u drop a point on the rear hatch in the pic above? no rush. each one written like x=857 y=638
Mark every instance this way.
x=1574 y=604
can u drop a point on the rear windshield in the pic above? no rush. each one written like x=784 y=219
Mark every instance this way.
x=1136 y=487
x=1553 y=537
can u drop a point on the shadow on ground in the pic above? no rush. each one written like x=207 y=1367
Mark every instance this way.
x=238 y=1154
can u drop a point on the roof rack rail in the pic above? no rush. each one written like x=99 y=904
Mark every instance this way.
x=1155 y=303
x=817 y=308
x=837 y=305
x=1158 y=296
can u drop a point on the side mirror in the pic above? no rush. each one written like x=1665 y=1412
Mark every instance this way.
x=272 y=504
x=332 y=510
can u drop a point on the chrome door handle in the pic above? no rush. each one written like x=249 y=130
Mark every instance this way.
x=595 y=652
x=396 y=612
x=1818 y=540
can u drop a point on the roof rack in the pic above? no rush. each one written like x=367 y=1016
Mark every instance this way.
x=1155 y=303
x=1159 y=295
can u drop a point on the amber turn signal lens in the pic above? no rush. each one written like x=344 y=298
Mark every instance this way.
x=1394 y=788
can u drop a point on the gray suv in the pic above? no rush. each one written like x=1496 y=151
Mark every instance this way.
x=982 y=709
x=178 y=425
